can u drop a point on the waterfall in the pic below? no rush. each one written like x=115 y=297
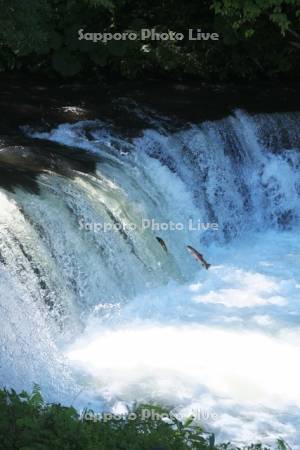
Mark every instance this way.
x=232 y=189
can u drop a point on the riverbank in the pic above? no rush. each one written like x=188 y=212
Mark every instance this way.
x=41 y=102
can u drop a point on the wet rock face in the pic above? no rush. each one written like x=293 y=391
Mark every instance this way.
x=22 y=160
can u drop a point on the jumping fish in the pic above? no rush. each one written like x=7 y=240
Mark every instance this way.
x=162 y=243
x=198 y=257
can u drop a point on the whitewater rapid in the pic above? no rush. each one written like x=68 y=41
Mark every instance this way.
x=109 y=318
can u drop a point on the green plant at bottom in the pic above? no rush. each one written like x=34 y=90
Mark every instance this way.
x=28 y=423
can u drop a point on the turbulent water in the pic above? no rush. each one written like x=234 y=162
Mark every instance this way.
x=106 y=316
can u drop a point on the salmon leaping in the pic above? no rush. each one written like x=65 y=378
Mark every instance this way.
x=162 y=243
x=198 y=257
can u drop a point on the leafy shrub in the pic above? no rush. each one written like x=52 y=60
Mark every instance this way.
x=28 y=423
x=258 y=39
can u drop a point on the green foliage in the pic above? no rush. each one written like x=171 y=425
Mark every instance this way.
x=108 y=4
x=240 y=12
x=65 y=63
x=28 y=423
x=258 y=39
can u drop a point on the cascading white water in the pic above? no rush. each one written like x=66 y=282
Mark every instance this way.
x=110 y=316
